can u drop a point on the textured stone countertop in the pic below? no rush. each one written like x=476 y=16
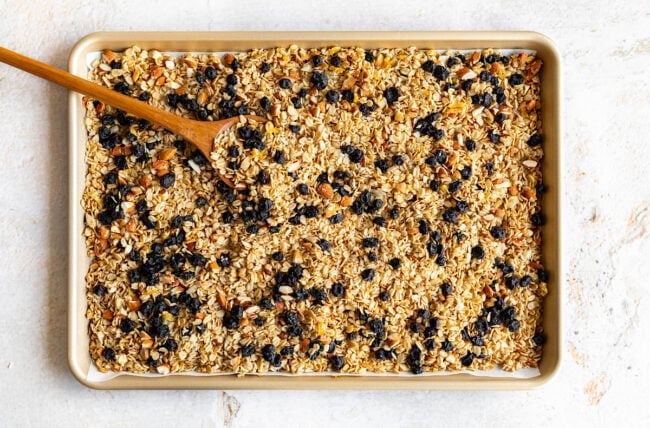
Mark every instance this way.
x=605 y=47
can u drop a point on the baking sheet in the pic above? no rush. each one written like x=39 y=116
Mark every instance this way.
x=179 y=43
x=94 y=375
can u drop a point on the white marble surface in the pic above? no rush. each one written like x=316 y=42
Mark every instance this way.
x=605 y=46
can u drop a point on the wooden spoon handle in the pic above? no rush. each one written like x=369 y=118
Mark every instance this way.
x=140 y=109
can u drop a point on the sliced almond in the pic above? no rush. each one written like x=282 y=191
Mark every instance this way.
x=167 y=154
x=103 y=232
x=202 y=98
x=134 y=305
x=131 y=225
x=330 y=210
x=325 y=190
x=348 y=83
x=160 y=164
x=487 y=290
x=100 y=246
x=530 y=105
x=108 y=55
x=285 y=289
x=228 y=59
x=528 y=192
x=530 y=163
x=297 y=257
x=145 y=181
x=221 y=298
x=346 y=201
x=163 y=369
x=466 y=73
x=156 y=72
x=535 y=66
x=190 y=62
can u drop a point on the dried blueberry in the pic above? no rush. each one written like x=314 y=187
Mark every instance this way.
x=290 y=317
x=348 y=95
x=478 y=252
x=380 y=221
x=538 y=219
x=99 y=290
x=338 y=289
x=513 y=325
x=512 y=282
x=440 y=72
x=466 y=172
x=497 y=232
x=108 y=354
x=265 y=103
x=224 y=260
x=516 y=79
x=428 y=66
x=319 y=80
x=392 y=94
x=493 y=136
x=317 y=60
x=368 y=275
x=324 y=244
x=268 y=353
x=167 y=180
x=539 y=339
x=279 y=157
x=126 y=325
x=382 y=165
x=332 y=96
x=210 y=73
x=337 y=362
x=455 y=186
x=247 y=350
x=535 y=140
x=398 y=160
x=446 y=289
x=369 y=242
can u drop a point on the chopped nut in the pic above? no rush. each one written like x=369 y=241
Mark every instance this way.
x=325 y=190
x=466 y=74
x=167 y=154
x=346 y=201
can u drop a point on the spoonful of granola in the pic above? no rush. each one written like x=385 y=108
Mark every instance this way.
x=200 y=134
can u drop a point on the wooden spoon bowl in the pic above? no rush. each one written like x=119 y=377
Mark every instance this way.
x=200 y=134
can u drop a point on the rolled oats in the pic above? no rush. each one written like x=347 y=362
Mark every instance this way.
x=210 y=265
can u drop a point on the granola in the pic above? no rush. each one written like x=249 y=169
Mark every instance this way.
x=385 y=219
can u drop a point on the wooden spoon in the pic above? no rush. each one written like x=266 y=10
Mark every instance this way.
x=201 y=134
